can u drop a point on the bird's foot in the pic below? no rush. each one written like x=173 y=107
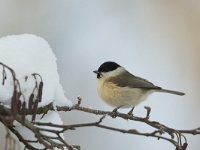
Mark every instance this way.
x=130 y=113
x=115 y=112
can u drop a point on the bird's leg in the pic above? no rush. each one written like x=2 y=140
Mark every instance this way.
x=148 y=112
x=130 y=113
x=116 y=109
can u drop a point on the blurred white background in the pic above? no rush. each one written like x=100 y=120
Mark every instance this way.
x=157 y=40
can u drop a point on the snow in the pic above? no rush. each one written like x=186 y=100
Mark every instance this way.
x=27 y=54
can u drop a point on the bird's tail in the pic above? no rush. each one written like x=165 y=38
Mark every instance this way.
x=172 y=92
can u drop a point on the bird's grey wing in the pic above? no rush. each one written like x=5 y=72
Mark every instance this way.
x=126 y=79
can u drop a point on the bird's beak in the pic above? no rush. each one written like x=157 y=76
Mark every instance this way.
x=96 y=71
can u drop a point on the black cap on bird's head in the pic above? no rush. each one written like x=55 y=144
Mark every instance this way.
x=106 y=67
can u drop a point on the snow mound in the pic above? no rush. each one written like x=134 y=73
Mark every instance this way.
x=27 y=54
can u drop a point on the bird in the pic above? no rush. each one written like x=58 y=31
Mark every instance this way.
x=121 y=89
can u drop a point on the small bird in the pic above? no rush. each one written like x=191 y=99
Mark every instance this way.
x=119 y=88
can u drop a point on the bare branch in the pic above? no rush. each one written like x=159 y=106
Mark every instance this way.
x=18 y=111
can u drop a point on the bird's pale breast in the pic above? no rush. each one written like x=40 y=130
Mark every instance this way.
x=121 y=96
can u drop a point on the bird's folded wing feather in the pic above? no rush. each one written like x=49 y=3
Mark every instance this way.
x=126 y=79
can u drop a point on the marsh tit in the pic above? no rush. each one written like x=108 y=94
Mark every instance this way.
x=119 y=88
